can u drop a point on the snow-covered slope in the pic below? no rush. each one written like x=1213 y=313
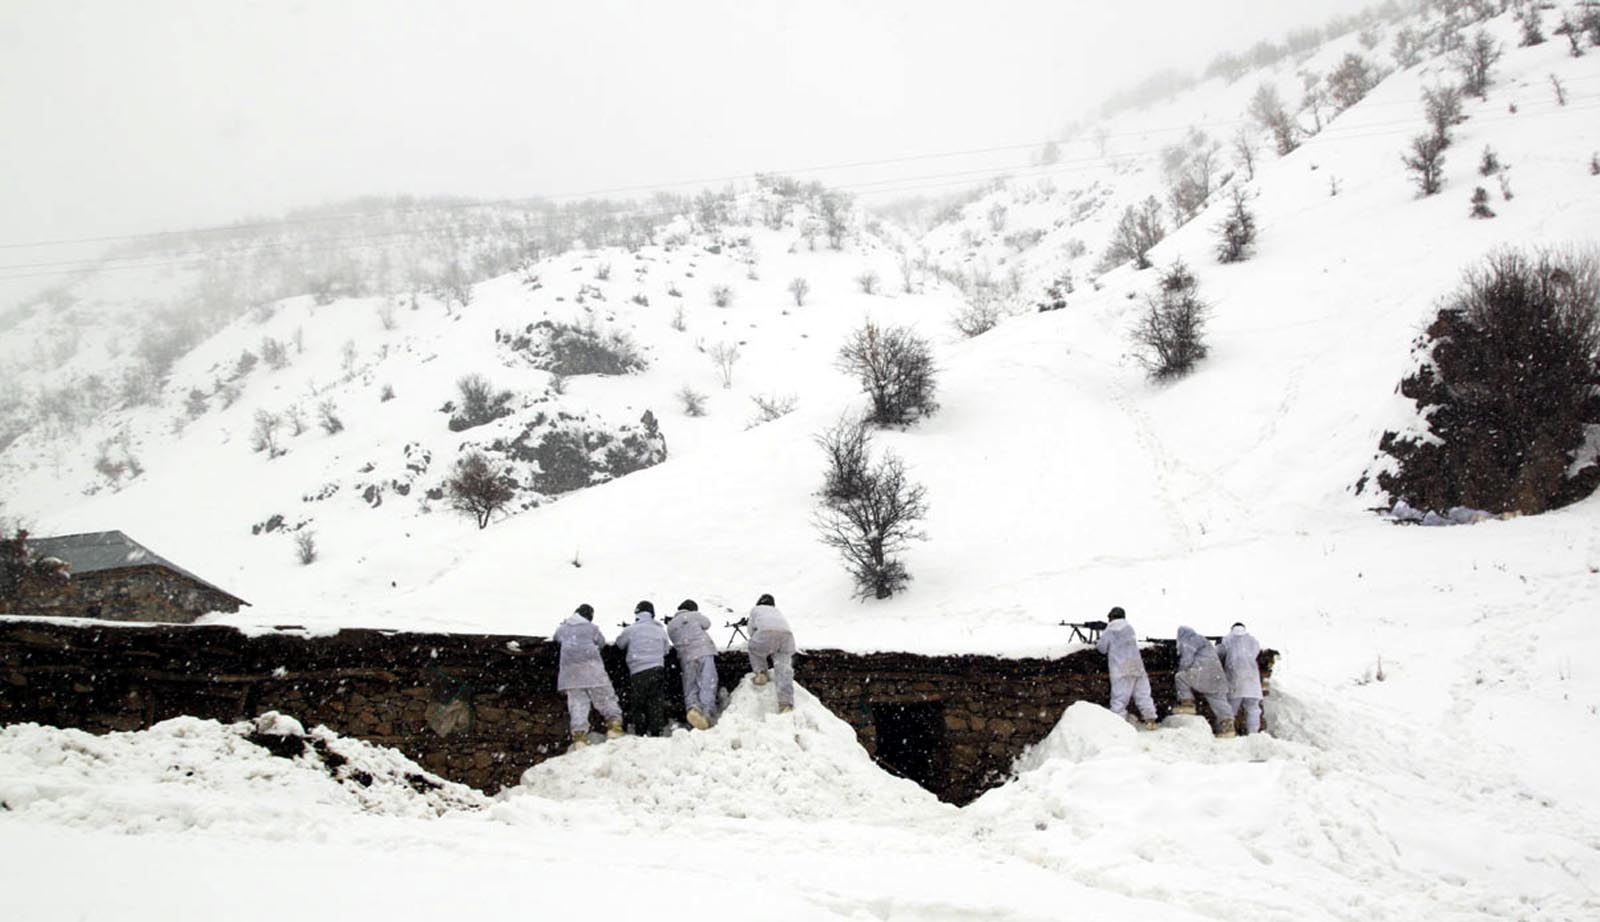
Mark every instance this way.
x=1435 y=712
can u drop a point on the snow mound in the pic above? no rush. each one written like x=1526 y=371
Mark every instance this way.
x=754 y=764
x=265 y=776
x=1268 y=827
x=1084 y=732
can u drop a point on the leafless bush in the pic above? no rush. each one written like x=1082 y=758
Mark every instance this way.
x=1268 y=111
x=873 y=524
x=1171 y=332
x=868 y=282
x=694 y=402
x=773 y=406
x=798 y=289
x=305 y=547
x=1237 y=232
x=678 y=323
x=721 y=295
x=1139 y=230
x=1475 y=59
x=724 y=356
x=976 y=316
x=328 y=417
x=895 y=368
x=264 y=436
x=480 y=403
x=1426 y=162
x=1442 y=106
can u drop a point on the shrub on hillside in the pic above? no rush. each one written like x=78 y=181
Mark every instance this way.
x=868 y=514
x=1475 y=59
x=563 y=348
x=895 y=368
x=1506 y=386
x=1171 y=332
x=570 y=454
x=1351 y=81
x=1237 y=232
x=1267 y=110
x=1139 y=230
x=1425 y=162
x=479 y=487
x=480 y=403
x=1442 y=107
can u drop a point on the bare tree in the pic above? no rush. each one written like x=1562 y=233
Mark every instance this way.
x=1442 y=107
x=1139 y=230
x=1351 y=81
x=264 y=436
x=1267 y=108
x=895 y=368
x=305 y=546
x=478 y=487
x=868 y=281
x=724 y=356
x=798 y=289
x=1237 y=232
x=834 y=208
x=1407 y=48
x=1171 y=332
x=1244 y=150
x=1426 y=162
x=1475 y=59
x=873 y=525
x=328 y=417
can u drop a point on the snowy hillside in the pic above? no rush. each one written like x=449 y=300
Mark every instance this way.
x=1434 y=715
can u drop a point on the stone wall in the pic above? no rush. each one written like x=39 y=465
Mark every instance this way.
x=145 y=594
x=482 y=708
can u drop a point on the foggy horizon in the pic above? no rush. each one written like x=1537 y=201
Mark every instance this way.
x=174 y=115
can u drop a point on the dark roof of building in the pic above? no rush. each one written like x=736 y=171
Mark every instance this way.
x=109 y=550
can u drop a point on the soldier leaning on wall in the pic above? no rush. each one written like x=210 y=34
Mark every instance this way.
x=1239 y=651
x=583 y=676
x=697 y=659
x=646 y=644
x=1128 y=678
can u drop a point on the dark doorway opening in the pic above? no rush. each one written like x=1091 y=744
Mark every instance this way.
x=911 y=742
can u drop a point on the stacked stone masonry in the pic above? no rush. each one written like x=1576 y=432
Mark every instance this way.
x=480 y=709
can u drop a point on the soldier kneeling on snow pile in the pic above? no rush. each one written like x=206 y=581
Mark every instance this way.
x=772 y=647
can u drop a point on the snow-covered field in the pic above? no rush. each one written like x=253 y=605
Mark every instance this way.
x=1435 y=714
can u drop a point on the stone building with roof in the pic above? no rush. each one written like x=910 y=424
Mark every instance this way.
x=115 y=577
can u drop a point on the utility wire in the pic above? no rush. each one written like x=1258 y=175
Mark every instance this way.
x=871 y=187
x=223 y=229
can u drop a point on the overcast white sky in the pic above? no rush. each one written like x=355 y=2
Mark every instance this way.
x=152 y=114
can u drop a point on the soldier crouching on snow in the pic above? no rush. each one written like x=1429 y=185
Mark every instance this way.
x=583 y=676
x=1128 y=678
x=772 y=640
x=697 y=660
x=1199 y=670
x=1239 y=652
x=646 y=644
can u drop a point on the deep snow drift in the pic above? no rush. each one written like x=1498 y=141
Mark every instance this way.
x=1436 y=713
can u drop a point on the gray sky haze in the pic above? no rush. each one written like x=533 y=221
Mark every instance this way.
x=125 y=117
